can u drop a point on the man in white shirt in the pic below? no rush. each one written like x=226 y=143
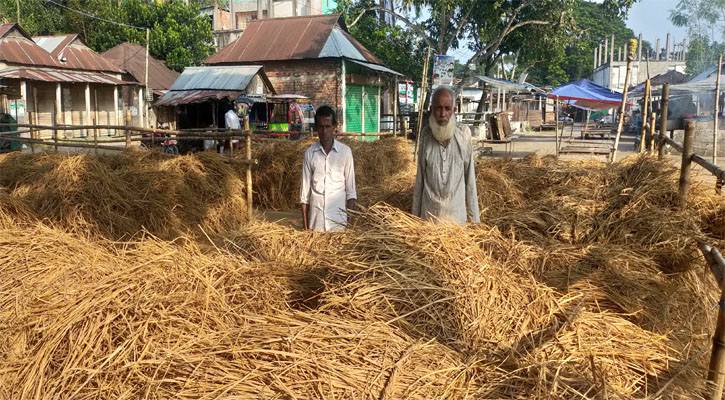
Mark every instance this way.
x=445 y=184
x=231 y=121
x=328 y=178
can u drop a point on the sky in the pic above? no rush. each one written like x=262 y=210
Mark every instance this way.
x=651 y=19
x=648 y=17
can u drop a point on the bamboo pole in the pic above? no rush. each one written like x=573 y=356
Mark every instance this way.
x=556 y=121
x=664 y=105
x=651 y=141
x=717 y=109
x=716 y=369
x=405 y=128
x=632 y=45
x=642 y=130
x=250 y=214
x=422 y=101
x=395 y=107
x=686 y=164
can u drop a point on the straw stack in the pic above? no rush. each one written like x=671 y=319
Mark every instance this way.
x=384 y=171
x=120 y=195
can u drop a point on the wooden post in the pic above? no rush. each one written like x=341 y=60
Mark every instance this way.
x=586 y=124
x=31 y=119
x=249 y=167
x=630 y=56
x=651 y=141
x=642 y=130
x=556 y=122
x=717 y=110
x=95 y=136
x=405 y=128
x=686 y=163
x=664 y=105
x=716 y=370
x=128 y=131
x=422 y=102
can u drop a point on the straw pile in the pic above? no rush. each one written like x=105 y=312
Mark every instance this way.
x=580 y=283
x=121 y=194
x=384 y=171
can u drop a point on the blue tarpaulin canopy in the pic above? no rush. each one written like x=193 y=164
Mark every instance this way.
x=587 y=95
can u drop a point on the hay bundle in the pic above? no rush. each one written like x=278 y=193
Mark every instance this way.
x=159 y=320
x=120 y=195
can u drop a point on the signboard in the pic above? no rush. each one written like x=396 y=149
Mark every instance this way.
x=443 y=71
x=17 y=109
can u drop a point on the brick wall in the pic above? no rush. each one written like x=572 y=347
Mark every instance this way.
x=319 y=80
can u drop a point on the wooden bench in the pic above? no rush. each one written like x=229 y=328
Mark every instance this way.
x=586 y=148
x=508 y=143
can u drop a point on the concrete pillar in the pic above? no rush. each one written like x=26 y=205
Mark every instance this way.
x=611 y=53
x=294 y=8
x=58 y=105
x=595 y=58
x=619 y=54
x=667 y=52
x=141 y=110
x=232 y=16
x=599 y=56
x=260 y=12
x=639 y=48
x=270 y=8
x=115 y=107
x=606 y=50
x=657 y=51
x=87 y=119
x=24 y=97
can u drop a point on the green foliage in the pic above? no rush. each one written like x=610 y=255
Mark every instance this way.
x=702 y=53
x=178 y=34
x=398 y=48
x=592 y=23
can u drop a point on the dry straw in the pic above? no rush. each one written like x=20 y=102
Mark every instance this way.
x=581 y=283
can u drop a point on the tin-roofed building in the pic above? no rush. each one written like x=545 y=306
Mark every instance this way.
x=131 y=59
x=202 y=95
x=316 y=57
x=59 y=81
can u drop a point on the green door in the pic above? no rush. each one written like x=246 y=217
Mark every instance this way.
x=372 y=100
x=353 y=108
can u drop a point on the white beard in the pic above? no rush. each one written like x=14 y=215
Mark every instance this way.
x=442 y=133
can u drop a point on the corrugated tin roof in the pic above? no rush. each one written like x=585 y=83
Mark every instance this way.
x=132 y=59
x=217 y=78
x=54 y=44
x=297 y=38
x=47 y=75
x=376 y=67
x=172 y=98
x=72 y=53
x=21 y=49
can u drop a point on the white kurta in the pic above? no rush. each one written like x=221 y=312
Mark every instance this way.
x=328 y=181
x=445 y=185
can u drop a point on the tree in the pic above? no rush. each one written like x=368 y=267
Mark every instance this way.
x=592 y=23
x=398 y=48
x=701 y=18
x=178 y=33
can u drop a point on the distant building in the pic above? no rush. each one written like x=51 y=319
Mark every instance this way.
x=316 y=57
x=131 y=59
x=51 y=80
x=229 y=23
x=610 y=65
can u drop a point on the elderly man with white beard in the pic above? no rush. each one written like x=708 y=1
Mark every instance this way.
x=445 y=185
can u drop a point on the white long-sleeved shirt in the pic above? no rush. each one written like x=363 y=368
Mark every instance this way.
x=445 y=185
x=328 y=181
x=231 y=120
